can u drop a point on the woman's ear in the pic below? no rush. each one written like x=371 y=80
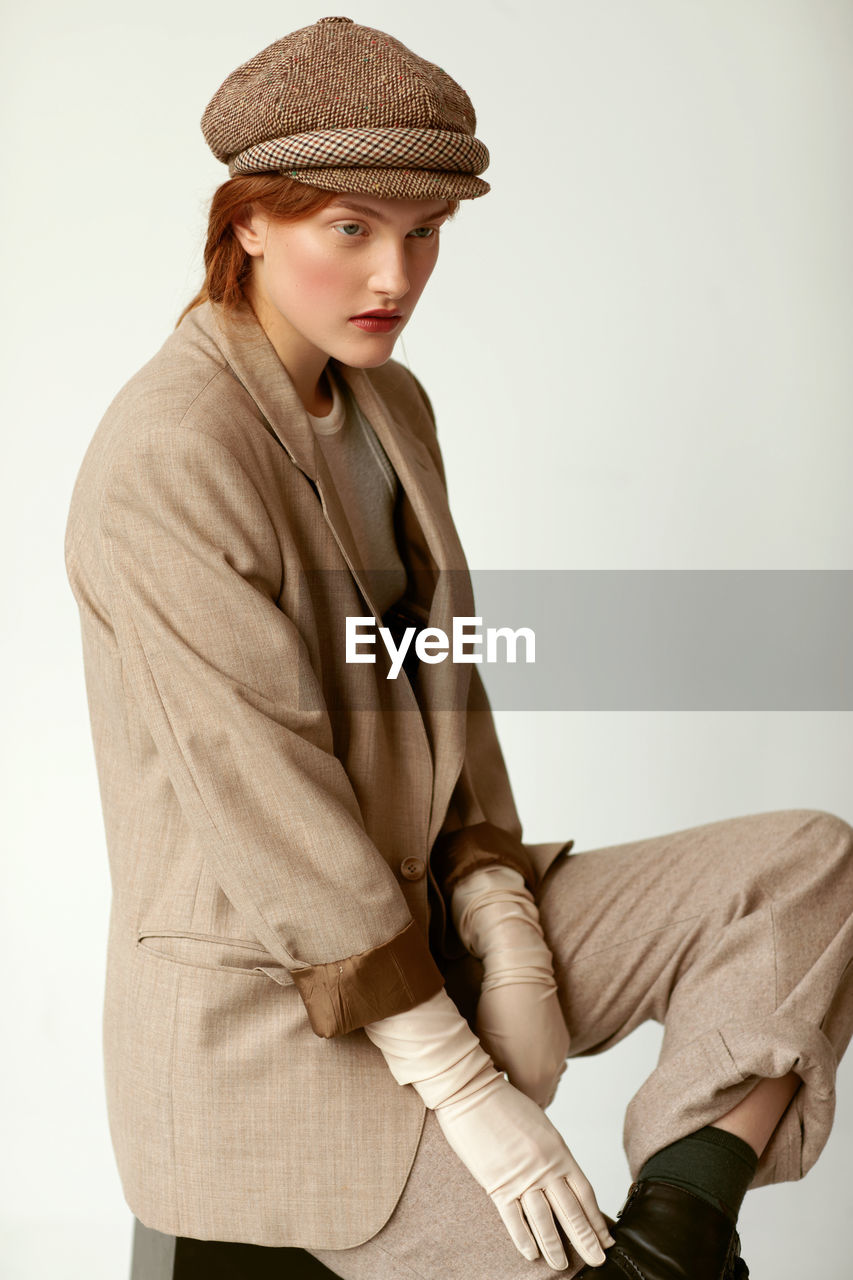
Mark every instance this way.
x=250 y=228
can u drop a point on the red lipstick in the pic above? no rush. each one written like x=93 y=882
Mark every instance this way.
x=380 y=320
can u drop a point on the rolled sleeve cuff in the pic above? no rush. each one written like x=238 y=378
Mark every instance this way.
x=458 y=853
x=392 y=978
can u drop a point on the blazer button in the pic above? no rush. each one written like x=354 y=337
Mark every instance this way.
x=413 y=868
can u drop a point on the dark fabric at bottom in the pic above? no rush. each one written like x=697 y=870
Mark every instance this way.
x=712 y=1163
x=162 y=1257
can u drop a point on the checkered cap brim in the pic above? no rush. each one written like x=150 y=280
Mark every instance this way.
x=395 y=184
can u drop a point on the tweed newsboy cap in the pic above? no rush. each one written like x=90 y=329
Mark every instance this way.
x=348 y=108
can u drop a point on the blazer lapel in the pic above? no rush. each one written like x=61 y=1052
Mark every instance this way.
x=443 y=686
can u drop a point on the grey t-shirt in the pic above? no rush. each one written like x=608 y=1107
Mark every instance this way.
x=367 y=486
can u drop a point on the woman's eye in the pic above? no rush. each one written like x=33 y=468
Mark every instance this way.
x=350 y=231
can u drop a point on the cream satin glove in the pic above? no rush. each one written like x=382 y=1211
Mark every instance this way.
x=519 y=1019
x=501 y=1136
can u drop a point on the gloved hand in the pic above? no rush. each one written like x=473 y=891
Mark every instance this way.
x=502 y=1137
x=519 y=1020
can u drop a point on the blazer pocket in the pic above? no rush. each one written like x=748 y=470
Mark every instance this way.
x=209 y=951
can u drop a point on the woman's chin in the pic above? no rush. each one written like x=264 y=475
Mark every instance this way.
x=370 y=356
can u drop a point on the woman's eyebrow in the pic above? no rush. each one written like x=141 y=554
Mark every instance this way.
x=374 y=213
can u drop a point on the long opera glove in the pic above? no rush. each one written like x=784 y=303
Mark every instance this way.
x=502 y=1137
x=519 y=1020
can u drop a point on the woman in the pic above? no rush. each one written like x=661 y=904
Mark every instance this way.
x=328 y=940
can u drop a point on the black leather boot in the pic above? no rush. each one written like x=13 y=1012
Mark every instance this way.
x=666 y=1233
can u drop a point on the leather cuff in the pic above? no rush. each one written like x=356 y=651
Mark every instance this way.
x=457 y=853
x=345 y=994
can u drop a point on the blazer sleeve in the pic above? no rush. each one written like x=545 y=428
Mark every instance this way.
x=482 y=827
x=224 y=683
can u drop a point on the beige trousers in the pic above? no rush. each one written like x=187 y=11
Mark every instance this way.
x=737 y=936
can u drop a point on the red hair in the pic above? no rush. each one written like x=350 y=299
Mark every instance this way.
x=227 y=264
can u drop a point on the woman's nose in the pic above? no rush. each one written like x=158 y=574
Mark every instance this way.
x=389 y=274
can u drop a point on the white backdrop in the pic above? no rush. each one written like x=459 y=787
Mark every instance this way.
x=649 y=320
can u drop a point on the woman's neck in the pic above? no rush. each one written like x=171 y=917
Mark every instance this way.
x=305 y=364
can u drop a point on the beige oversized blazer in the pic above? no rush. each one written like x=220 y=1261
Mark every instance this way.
x=277 y=819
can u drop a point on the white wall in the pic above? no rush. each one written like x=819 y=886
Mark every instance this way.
x=645 y=327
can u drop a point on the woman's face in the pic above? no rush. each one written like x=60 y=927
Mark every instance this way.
x=362 y=253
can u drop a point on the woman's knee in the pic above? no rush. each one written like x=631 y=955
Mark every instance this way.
x=812 y=843
x=830 y=836
x=812 y=891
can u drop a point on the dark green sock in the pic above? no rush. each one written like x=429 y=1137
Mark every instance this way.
x=713 y=1164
